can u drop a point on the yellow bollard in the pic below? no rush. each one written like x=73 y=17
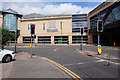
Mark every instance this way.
x=99 y=49
x=35 y=44
x=114 y=43
x=30 y=45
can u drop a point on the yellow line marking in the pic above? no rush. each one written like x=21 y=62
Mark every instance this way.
x=60 y=67
x=55 y=49
x=64 y=68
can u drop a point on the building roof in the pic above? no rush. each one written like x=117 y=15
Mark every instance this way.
x=107 y=2
x=11 y=12
x=35 y=15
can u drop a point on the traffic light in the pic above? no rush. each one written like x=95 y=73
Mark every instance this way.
x=100 y=26
x=32 y=28
x=82 y=31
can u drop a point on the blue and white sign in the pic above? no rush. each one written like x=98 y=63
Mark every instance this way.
x=99 y=47
x=52 y=30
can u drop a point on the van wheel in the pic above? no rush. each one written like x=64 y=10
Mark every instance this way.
x=7 y=59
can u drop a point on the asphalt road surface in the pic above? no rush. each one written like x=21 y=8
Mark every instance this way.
x=86 y=67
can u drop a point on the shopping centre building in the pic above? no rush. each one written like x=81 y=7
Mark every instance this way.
x=109 y=12
x=53 y=29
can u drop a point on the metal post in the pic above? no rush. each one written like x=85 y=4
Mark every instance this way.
x=81 y=41
x=61 y=36
x=31 y=45
x=44 y=41
x=98 y=38
x=61 y=32
x=15 y=39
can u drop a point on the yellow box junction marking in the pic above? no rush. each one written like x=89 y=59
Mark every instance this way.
x=99 y=49
x=72 y=74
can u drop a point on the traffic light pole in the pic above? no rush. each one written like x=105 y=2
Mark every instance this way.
x=98 y=38
x=32 y=31
x=99 y=41
x=99 y=29
x=31 y=45
x=81 y=42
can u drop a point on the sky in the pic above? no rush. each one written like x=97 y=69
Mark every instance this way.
x=50 y=8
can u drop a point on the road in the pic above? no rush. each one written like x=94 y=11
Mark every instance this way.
x=81 y=64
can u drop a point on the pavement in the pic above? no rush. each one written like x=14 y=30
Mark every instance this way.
x=26 y=67
x=107 y=57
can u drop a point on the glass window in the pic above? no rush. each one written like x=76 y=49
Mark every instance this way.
x=113 y=16
x=78 y=21
x=10 y=22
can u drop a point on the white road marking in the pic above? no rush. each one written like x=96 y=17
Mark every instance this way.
x=111 y=48
x=77 y=50
x=98 y=61
x=108 y=61
x=55 y=49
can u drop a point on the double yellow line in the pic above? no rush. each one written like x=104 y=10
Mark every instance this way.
x=72 y=74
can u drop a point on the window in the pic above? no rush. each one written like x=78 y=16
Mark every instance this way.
x=108 y=17
x=78 y=21
x=113 y=16
x=60 y=25
x=44 y=39
x=77 y=39
x=61 y=39
x=10 y=22
x=43 y=26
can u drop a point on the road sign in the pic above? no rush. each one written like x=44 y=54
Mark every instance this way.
x=99 y=49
